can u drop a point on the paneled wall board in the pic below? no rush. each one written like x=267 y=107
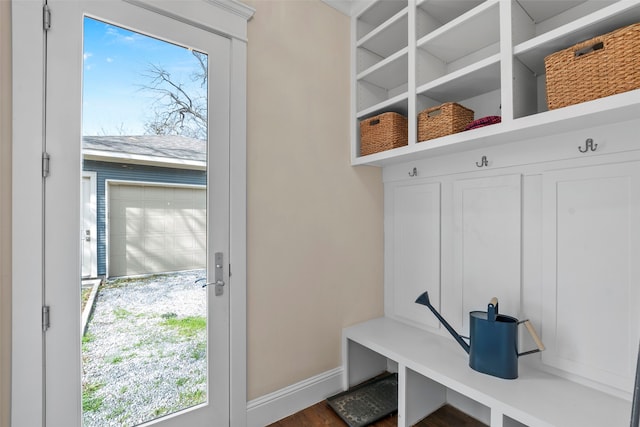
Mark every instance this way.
x=590 y=265
x=415 y=240
x=487 y=243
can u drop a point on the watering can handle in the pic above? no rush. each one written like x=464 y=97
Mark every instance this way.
x=534 y=334
x=492 y=310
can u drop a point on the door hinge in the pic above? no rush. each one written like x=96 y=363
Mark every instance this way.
x=45 y=164
x=46 y=17
x=45 y=318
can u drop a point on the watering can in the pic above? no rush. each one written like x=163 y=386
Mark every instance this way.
x=493 y=339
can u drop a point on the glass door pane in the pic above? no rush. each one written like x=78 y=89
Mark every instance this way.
x=144 y=145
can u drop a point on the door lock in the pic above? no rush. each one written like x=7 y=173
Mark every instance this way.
x=219 y=274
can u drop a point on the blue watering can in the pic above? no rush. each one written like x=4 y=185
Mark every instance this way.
x=493 y=339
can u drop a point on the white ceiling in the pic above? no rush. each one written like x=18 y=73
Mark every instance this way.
x=538 y=10
x=345 y=6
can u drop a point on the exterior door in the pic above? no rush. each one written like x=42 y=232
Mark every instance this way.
x=62 y=253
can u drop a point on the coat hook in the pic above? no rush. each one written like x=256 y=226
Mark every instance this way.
x=588 y=146
x=414 y=172
x=483 y=162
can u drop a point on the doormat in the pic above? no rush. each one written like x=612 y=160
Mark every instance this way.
x=367 y=403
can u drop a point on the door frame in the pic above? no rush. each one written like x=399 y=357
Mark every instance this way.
x=224 y=17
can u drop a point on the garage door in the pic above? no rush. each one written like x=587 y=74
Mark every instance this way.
x=155 y=229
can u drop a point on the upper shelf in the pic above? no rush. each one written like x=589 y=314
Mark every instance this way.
x=468 y=33
x=612 y=109
x=443 y=11
x=478 y=78
x=389 y=73
x=388 y=38
x=532 y=52
x=454 y=52
x=376 y=15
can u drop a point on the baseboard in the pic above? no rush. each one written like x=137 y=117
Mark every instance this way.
x=289 y=400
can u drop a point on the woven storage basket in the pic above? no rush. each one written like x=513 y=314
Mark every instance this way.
x=443 y=120
x=602 y=66
x=383 y=132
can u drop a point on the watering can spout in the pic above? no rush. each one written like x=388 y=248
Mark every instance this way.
x=424 y=300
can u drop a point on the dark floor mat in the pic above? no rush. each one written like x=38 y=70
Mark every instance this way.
x=367 y=403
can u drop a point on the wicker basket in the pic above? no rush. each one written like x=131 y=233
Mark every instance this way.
x=603 y=66
x=383 y=132
x=443 y=120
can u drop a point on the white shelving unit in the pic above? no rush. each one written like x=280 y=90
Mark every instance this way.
x=462 y=227
x=486 y=55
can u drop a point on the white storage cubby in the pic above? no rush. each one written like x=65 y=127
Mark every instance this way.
x=540 y=30
x=460 y=60
x=381 y=59
x=372 y=18
x=486 y=55
x=433 y=14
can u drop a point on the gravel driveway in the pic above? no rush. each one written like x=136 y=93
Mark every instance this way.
x=144 y=352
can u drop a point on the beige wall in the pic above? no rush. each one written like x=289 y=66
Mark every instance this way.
x=5 y=210
x=315 y=226
x=314 y=222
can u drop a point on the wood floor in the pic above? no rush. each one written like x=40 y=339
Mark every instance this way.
x=321 y=414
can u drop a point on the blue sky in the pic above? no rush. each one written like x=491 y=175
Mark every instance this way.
x=115 y=61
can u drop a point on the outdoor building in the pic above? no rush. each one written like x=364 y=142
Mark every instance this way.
x=143 y=196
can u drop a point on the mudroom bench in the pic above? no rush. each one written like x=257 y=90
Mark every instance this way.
x=433 y=370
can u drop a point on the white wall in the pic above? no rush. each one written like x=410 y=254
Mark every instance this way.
x=315 y=224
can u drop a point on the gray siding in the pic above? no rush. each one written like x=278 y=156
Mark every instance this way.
x=128 y=172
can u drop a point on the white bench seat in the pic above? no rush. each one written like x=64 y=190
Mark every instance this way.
x=429 y=366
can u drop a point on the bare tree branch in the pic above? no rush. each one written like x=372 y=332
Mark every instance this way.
x=178 y=111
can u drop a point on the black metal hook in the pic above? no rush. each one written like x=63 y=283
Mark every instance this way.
x=588 y=146
x=483 y=162
x=414 y=172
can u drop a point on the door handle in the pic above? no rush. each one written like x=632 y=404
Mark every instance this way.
x=218 y=283
x=218 y=286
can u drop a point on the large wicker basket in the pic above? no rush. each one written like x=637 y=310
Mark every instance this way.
x=383 y=132
x=443 y=120
x=602 y=66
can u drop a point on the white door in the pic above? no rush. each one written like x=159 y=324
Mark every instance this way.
x=63 y=375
